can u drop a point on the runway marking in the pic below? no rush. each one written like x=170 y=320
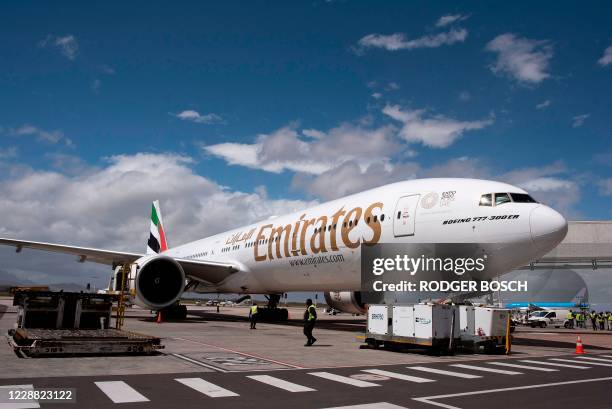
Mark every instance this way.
x=377 y=405
x=241 y=353
x=484 y=369
x=396 y=375
x=574 y=362
x=443 y=372
x=280 y=383
x=120 y=392
x=343 y=379
x=205 y=387
x=529 y=361
x=594 y=359
x=534 y=368
x=200 y=363
x=429 y=399
x=25 y=404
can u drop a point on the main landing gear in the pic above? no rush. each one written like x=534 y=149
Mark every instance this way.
x=271 y=312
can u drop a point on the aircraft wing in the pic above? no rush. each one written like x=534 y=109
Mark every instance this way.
x=200 y=270
x=83 y=253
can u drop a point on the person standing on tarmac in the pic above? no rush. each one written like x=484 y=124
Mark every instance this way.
x=310 y=317
x=609 y=321
x=593 y=317
x=570 y=319
x=253 y=315
x=601 y=320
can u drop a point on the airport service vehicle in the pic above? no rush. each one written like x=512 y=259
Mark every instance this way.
x=429 y=325
x=553 y=318
x=485 y=327
x=318 y=249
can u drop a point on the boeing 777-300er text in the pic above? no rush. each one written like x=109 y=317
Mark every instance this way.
x=318 y=249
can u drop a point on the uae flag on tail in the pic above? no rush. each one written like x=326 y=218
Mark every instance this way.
x=157 y=237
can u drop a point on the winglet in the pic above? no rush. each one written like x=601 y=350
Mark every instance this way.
x=157 y=237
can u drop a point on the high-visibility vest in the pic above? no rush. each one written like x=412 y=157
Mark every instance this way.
x=579 y=317
x=610 y=317
x=310 y=314
x=600 y=318
x=254 y=309
x=570 y=316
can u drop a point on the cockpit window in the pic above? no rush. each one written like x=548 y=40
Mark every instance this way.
x=501 y=198
x=522 y=198
x=486 y=200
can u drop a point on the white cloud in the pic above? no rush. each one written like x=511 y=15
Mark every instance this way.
x=434 y=131
x=52 y=137
x=605 y=187
x=8 y=153
x=113 y=204
x=67 y=45
x=544 y=104
x=285 y=149
x=606 y=58
x=450 y=19
x=377 y=95
x=95 y=86
x=392 y=86
x=578 y=120
x=465 y=96
x=398 y=41
x=522 y=59
x=195 y=116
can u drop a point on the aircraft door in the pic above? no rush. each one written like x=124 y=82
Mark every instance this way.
x=403 y=218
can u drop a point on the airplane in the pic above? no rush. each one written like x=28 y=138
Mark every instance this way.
x=318 y=249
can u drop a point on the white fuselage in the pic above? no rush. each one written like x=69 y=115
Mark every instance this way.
x=319 y=249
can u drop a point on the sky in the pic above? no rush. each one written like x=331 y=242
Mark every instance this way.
x=232 y=112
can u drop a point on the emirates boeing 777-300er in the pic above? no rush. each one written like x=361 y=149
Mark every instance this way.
x=319 y=248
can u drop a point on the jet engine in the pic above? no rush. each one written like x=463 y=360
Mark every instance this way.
x=346 y=301
x=159 y=283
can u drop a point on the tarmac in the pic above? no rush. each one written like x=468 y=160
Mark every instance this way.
x=214 y=360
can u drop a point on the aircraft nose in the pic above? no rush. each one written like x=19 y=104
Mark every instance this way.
x=548 y=227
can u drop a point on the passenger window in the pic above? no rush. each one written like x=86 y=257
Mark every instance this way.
x=485 y=200
x=382 y=217
x=501 y=198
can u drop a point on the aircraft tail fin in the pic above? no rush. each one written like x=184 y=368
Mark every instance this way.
x=157 y=236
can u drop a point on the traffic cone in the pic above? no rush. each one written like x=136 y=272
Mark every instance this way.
x=579 y=348
x=159 y=317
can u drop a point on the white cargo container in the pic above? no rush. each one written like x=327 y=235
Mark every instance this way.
x=378 y=321
x=466 y=320
x=419 y=324
x=491 y=322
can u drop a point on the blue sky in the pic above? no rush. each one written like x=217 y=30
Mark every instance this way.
x=258 y=108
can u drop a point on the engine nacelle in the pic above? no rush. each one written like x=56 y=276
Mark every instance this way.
x=159 y=282
x=346 y=301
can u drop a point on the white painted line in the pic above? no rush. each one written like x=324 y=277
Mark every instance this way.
x=199 y=363
x=579 y=362
x=590 y=358
x=443 y=372
x=343 y=379
x=120 y=392
x=529 y=361
x=428 y=399
x=482 y=368
x=533 y=368
x=279 y=383
x=207 y=388
x=24 y=404
x=377 y=405
x=396 y=375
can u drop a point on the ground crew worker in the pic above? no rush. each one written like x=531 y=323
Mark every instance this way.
x=310 y=317
x=570 y=319
x=593 y=318
x=580 y=319
x=609 y=321
x=601 y=321
x=253 y=312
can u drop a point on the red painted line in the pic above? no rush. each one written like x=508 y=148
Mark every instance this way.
x=243 y=353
